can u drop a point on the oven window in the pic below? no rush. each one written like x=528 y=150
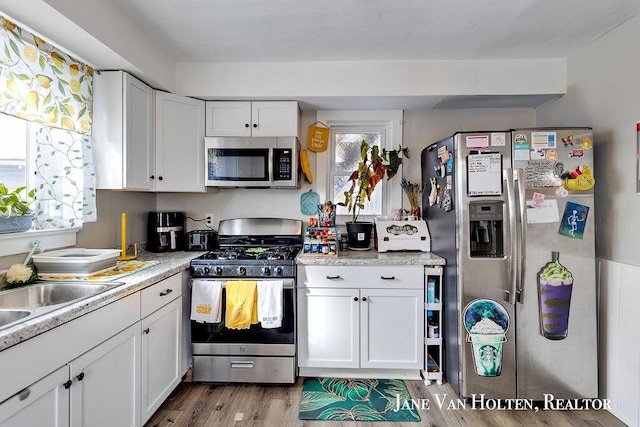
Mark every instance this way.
x=218 y=333
x=226 y=164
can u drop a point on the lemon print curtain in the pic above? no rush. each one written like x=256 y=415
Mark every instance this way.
x=43 y=84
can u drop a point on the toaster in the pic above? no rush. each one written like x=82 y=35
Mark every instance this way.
x=201 y=240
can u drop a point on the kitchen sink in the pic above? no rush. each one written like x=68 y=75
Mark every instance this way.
x=45 y=294
x=34 y=300
x=8 y=316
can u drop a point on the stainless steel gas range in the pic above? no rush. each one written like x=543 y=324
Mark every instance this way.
x=252 y=249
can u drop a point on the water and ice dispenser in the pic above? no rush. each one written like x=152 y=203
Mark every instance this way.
x=486 y=233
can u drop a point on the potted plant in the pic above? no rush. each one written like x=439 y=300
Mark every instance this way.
x=15 y=212
x=371 y=169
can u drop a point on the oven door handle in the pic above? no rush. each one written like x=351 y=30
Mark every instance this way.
x=244 y=364
x=286 y=284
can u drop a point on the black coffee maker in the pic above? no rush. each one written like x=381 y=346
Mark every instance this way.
x=165 y=231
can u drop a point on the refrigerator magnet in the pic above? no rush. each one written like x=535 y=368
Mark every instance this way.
x=574 y=220
x=498 y=139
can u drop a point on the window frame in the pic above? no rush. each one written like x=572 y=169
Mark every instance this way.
x=390 y=121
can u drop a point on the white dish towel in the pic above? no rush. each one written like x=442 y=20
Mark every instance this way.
x=206 y=301
x=270 y=295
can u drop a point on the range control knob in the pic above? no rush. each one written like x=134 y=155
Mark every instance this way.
x=266 y=271
x=242 y=271
x=278 y=271
x=218 y=271
x=206 y=271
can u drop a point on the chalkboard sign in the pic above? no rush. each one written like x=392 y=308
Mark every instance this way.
x=484 y=174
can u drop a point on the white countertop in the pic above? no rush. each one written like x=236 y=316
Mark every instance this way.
x=170 y=264
x=373 y=257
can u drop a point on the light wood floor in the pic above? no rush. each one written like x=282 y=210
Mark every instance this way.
x=240 y=405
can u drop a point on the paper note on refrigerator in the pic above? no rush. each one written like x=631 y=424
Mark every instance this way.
x=546 y=212
x=484 y=174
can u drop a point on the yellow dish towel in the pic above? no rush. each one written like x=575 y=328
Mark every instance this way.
x=241 y=309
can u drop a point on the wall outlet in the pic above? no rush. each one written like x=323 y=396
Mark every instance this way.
x=208 y=220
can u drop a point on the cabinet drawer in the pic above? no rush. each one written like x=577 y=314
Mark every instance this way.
x=386 y=276
x=163 y=292
x=280 y=370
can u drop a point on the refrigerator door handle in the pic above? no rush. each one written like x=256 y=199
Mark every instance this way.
x=522 y=229
x=512 y=277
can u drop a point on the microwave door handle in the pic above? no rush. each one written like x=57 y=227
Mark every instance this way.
x=271 y=156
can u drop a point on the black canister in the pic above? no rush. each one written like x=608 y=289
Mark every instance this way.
x=165 y=231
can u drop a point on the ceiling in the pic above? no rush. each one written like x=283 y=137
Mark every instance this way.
x=337 y=30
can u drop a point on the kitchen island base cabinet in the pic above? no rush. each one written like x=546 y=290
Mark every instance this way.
x=362 y=321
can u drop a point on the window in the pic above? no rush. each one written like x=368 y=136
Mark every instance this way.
x=348 y=129
x=16 y=166
x=345 y=154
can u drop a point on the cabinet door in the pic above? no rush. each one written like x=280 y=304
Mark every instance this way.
x=43 y=404
x=228 y=118
x=392 y=334
x=328 y=328
x=161 y=342
x=105 y=383
x=274 y=118
x=179 y=143
x=138 y=132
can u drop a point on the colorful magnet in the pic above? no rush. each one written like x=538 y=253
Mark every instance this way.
x=555 y=284
x=574 y=220
x=537 y=200
x=567 y=140
x=586 y=143
x=433 y=191
x=551 y=155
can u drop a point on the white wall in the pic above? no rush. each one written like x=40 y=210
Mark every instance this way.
x=105 y=233
x=603 y=92
x=603 y=88
x=421 y=127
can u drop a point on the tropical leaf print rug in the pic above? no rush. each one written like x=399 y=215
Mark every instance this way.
x=355 y=399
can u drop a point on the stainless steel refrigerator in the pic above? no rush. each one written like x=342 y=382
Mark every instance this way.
x=501 y=207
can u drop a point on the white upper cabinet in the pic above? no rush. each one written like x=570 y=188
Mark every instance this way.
x=179 y=143
x=267 y=118
x=145 y=139
x=122 y=138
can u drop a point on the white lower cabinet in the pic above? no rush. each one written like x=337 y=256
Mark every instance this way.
x=43 y=404
x=99 y=388
x=328 y=328
x=111 y=367
x=161 y=351
x=390 y=328
x=354 y=318
x=105 y=383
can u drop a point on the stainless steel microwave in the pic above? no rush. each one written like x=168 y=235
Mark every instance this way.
x=252 y=162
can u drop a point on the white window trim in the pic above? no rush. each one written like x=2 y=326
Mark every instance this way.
x=18 y=243
x=391 y=120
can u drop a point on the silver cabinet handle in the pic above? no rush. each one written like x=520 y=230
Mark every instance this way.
x=244 y=364
x=167 y=292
